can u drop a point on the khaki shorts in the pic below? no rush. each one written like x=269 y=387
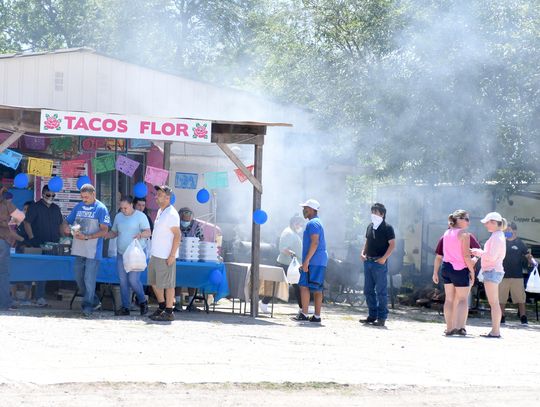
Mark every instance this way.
x=514 y=287
x=161 y=275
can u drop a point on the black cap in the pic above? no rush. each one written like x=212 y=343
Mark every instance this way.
x=165 y=188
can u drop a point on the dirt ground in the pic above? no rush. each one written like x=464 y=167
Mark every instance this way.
x=56 y=358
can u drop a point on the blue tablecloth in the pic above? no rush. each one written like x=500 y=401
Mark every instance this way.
x=38 y=267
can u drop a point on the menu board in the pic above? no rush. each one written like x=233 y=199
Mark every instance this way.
x=69 y=196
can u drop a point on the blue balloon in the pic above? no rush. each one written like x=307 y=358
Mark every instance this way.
x=56 y=184
x=21 y=180
x=173 y=199
x=140 y=190
x=85 y=179
x=215 y=277
x=260 y=217
x=203 y=195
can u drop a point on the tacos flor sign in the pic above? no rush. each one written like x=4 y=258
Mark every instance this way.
x=132 y=127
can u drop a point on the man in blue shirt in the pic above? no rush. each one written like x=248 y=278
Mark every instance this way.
x=314 y=262
x=89 y=222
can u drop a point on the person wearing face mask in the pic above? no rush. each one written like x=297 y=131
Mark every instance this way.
x=512 y=283
x=290 y=245
x=380 y=242
x=189 y=227
x=44 y=223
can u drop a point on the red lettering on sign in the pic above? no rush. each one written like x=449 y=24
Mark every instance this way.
x=122 y=126
x=182 y=128
x=69 y=120
x=109 y=125
x=81 y=124
x=91 y=124
x=154 y=130
x=143 y=127
x=167 y=129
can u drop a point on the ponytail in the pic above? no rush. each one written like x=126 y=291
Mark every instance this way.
x=503 y=224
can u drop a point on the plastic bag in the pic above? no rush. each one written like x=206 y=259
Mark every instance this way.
x=533 y=284
x=112 y=251
x=293 y=272
x=134 y=257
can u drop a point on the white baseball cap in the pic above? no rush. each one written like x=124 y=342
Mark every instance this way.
x=311 y=203
x=492 y=216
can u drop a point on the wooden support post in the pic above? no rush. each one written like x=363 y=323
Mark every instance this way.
x=256 y=235
x=234 y=158
x=167 y=155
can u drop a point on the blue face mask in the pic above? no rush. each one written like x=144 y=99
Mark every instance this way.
x=184 y=223
x=508 y=234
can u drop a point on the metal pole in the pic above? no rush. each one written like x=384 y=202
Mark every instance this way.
x=256 y=236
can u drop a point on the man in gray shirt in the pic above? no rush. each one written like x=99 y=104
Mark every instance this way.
x=290 y=245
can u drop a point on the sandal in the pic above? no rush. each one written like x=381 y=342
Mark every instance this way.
x=461 y=331
x=490 y=335
x=452 y=332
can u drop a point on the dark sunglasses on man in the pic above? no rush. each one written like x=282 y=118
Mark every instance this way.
x=49 y=195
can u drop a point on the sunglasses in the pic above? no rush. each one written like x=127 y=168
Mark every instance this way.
x=50 y=195
x=465 y=219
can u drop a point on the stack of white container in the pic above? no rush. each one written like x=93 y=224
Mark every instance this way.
x=189 y=249
x=208 y=251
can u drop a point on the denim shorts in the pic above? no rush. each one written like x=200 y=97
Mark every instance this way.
x=490 y=276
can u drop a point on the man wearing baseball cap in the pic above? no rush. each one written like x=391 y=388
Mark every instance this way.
x=162 y=265
x=314 y=262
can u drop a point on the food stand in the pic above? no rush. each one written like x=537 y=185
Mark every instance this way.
x=121 y=131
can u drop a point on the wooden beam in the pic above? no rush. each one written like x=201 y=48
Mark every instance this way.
x=226 y=138
x=256 y=237
x=229 y=153
x=10 y=140
x=231 y=128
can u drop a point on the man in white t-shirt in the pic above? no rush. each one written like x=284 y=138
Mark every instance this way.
x=162 y=265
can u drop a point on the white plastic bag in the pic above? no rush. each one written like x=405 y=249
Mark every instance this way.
x=134 y=257
x=533 y=284
x=293 y=272
x=112 y=252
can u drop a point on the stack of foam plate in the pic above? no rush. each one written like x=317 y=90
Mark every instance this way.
x=189 y=249
x=208 y=251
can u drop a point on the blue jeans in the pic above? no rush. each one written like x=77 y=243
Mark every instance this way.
x=376 y=289
x=85 y=276
x=129 y=280
x=5 y=297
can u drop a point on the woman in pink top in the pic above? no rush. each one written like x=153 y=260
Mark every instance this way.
x=457 y=272
x=492 y=271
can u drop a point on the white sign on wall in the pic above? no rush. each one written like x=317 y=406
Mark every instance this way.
x=120 y=126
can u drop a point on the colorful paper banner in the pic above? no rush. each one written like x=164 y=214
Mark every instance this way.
x=61 y=144
x=126 y=165
x=156 y=176
x=40 y=167
x=103 y=163
x=186 y=180
x=10 y=158
x=73 y=168
x=240 y=174
x=216 y=180
x=35 y=143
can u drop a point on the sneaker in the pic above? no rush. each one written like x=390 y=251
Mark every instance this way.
x=313 y=318
x=300 y=317
x=503 y=320
x=122 y=312
x=164 y=316
x=144 y=308
x=524 y=320
x=177 y=308
x=41 y=302
x=97 y=306
x=379 y=322
x=368 y=320
x=156 y=313
x=192 y=308
x=87 y=314
x=263 y=307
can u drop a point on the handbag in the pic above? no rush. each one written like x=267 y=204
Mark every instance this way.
x=533 y=283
